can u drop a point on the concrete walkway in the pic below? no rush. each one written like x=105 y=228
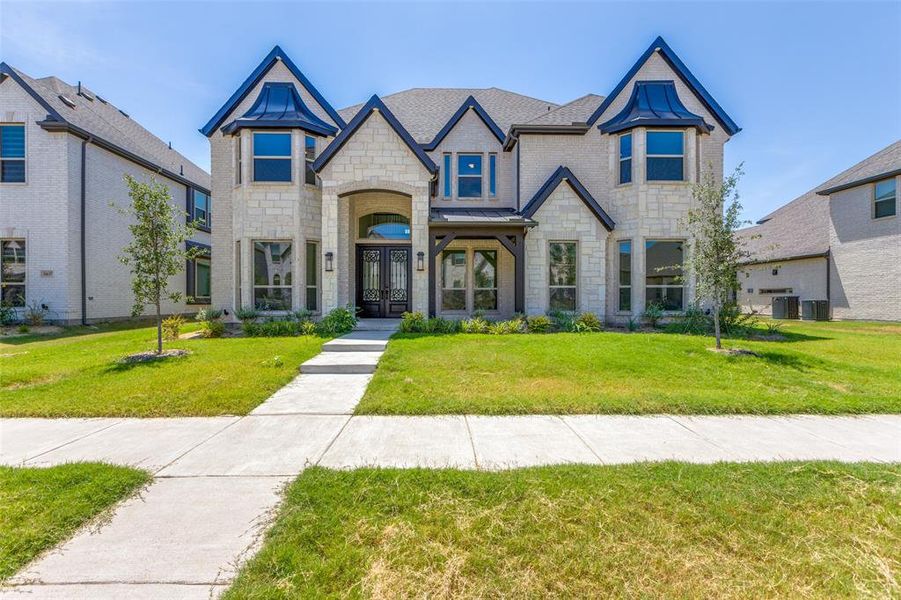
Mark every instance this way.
x=217 y=480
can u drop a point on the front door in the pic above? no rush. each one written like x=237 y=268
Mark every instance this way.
x=383 y=280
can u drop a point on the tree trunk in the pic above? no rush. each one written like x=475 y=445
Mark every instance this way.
x=159 y=330
x=716 y=326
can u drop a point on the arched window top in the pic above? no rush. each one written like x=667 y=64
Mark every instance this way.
x=384 y=226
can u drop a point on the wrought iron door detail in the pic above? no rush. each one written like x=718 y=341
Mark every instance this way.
x=371 y=275
x=398 y=275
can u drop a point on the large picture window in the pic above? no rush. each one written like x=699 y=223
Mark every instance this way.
x=469 y=175
x=12 y=272
x=453 y=280
x=272 y=157
x=12 y=153
x=312 y=276
x=562 y=276
x=625 y=158
x=885 y=198
x=484 y=278
x=273 y=264
x=663 y=271
x=665 y=154
x=625 y=276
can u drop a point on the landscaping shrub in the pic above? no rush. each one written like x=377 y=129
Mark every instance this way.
x=587 y=322
x=23 y=328
x=7 y=314
x=272 y=328
x=474 y=325
x=506 y=327
x=172 y=327
x=563 y=319
x=35 y=313
x=212 y=329
x=308 y=328
x=302 y=315
x=773 y=327
x=412 y=322
x=538 y=324
x=693 y=321
x=440 y=325
x=653 y=312
x=247 y=313
x=736 y=323
x=339 y=321
x=633 y=324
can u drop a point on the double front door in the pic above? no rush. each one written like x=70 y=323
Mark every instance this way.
x=383 y=280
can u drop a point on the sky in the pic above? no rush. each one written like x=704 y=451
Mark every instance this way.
x=815 y=86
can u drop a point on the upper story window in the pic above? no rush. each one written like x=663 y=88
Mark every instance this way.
x=665 y=155
x=625 y=158
x=272 y=156
x=384 y=226
x=885 y=198
x=201 y=209
x=492 y=174
x=448 y=177
x=309 y=155
x=469 y=175
x=239 y=160
x=12 y=153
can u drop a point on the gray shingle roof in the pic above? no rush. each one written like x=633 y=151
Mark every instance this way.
x=801 y=227
x=424 y=111
x=104 y=120
x=576 y=111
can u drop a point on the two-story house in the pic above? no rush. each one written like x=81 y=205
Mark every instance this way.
x=452 y=201
x=64 y=152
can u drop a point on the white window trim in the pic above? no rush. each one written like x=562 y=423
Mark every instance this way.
x=873 y=201
x=254 y=286
x=254 y=156
x=548 y=273
x=683 y=286
x=648 y=156
x=619 y=285
x=24 y=282
x=480 y=176
x=24 y=159
x=620 y=159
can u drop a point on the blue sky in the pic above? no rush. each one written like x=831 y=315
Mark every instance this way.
x=816 y=86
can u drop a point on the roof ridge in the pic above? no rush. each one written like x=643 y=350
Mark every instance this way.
x=564 y=105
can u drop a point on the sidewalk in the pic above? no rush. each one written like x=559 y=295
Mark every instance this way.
x=218 y=480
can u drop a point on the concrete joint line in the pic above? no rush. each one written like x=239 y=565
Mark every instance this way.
x=472 y=443
x=581 y=439
x=198 y=444
x=72 y=441
x=332 y=442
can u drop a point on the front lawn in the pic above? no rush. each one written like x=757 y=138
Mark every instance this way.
x=640 y=531
x=40 y=508
x=77 y=374
x=818 y=368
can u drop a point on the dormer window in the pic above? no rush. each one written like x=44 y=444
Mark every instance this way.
x=12 y=153
x=469 y=175
x=271 y=157
x=665 y=155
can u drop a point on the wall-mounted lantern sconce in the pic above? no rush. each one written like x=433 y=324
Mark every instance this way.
x=329 y=261
x=420 y=261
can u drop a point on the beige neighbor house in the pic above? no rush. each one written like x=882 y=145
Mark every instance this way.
x=64 y=152
x=839 y=243
x=450 y=201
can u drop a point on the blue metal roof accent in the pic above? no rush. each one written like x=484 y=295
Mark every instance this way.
x=275 y=55
x=563 y=173
x=469 y=103
x=374 y=104
x=279 y=105
x=654 y=104
x=684 y=74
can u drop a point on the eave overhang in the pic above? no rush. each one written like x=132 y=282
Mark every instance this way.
x=279 y=106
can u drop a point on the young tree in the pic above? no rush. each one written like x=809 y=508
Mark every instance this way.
x=157 y=249
x=715 y=253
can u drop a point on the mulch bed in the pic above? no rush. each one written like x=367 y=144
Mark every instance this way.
x=142 y=357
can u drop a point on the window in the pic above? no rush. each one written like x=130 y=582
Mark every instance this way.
x=484 y=278
x=562 y=280
x=448 y=177
x=199 y=292
x=625 y=276
x=309 y=155
x=12 y=153
x=272 y=157
x=384 y=226
x=201 y=208
x=272 y=267
x=12 y=272
x=625 y=158
x=239 y=160
x=469 y=175
x=775 y=271
x=775 y=290
x=492 y=174
x=453 y=280
x=884 y=199
x=665 y=154
x=663 y=271
x=312 y=276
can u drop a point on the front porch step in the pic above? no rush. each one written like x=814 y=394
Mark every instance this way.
x=359 y=341
x=377 y=325
x=342 y=363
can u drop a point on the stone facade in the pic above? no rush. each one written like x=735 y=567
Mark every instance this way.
x=45 y=212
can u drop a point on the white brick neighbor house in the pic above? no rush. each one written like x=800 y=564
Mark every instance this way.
x=64 y=152
x=840 y=243
x=450 y=201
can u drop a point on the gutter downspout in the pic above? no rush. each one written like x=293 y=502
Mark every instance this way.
x=84 y=281
x=828 y=282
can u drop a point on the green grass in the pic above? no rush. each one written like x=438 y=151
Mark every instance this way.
x=821 y=530
x=818 y=368
x=77 y=374
x=39 y=508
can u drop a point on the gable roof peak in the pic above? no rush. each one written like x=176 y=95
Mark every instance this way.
x=561 y=174
x=469 y=104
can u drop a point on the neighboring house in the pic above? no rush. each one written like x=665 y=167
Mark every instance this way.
x=451 y=201
x=64 y=152
x=840 y=242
